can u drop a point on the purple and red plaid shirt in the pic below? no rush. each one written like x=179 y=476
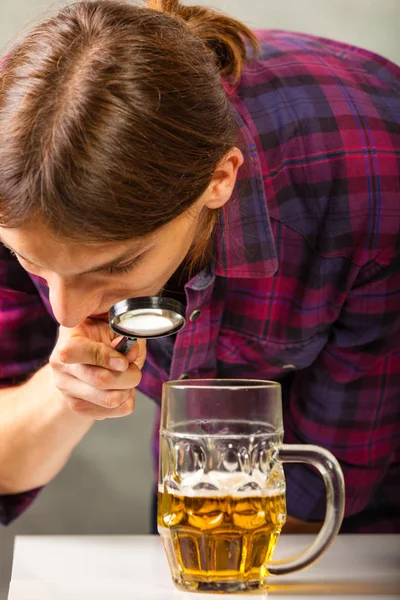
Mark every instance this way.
x=305 y=285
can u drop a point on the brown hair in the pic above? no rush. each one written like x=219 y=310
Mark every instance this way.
x=113 y=117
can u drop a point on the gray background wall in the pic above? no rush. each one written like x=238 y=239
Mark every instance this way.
x=106 y=485
x=373 y=24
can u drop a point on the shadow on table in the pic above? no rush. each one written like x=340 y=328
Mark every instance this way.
x=336 y=588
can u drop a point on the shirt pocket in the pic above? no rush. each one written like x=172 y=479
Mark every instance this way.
x=239 y=355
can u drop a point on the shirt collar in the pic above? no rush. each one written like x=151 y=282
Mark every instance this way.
x=245 y=245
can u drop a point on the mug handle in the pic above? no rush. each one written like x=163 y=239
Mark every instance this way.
x=332 y=475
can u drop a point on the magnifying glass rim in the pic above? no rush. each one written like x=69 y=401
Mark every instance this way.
x=148 y=302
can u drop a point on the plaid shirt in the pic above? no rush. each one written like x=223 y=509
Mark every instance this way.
x=305 y=285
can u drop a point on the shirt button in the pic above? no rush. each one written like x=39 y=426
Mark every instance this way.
x=194 y=315
x=184 y=376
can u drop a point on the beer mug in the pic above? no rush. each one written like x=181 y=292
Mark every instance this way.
x=221 y=489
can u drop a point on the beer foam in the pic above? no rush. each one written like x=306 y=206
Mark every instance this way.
x=219 y=484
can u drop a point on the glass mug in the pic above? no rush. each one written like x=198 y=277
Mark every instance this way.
x=221 y=491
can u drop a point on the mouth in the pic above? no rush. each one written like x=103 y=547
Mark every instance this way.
x=102 y=316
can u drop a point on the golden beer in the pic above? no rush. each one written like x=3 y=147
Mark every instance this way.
x=221 y=501
x=211 y=539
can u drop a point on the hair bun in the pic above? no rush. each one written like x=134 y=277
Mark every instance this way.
x=168 y=6
x=224 y=36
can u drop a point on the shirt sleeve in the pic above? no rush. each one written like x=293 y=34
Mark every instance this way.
x=27 y=337
x=348 y=401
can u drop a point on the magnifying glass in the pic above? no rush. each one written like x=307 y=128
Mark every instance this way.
x=147 y=317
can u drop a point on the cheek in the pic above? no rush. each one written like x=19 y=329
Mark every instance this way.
x=147 y=282
x=148 y=278
x=157 y=269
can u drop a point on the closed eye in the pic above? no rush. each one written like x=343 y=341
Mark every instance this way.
x=124 y=268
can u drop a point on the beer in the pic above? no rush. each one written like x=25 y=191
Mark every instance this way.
x=220 y=538
x=222 y=486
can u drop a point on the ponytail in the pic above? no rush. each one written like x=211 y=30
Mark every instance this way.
x=224 y=36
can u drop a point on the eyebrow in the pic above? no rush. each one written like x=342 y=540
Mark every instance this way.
x=133 y=252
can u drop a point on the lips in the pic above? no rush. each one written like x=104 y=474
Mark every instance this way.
x=102 y=316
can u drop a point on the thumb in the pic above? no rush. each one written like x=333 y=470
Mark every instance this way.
x=137 y=354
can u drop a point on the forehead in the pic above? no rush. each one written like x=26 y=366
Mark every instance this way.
x=43 y=250
x=35 y=238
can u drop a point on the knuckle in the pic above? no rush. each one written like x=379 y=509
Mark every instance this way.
x=114 y=399
x=61 y=384
x=101 y=416
x=63 y=353
x=78 y=405
x=54 y=359
x=102 y=378
x=128 y=406
x=98 y=355
x=136 y=375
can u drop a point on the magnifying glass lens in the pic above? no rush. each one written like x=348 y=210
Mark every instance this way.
x=148 y=322
x=147 y=317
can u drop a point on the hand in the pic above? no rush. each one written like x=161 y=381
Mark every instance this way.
x=95 y=379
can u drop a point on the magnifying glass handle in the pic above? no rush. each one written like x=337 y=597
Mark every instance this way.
x=125 y=345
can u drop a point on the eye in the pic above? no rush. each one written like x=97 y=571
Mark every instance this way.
x=125 y=268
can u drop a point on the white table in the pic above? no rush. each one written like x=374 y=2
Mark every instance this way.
x=135 y=568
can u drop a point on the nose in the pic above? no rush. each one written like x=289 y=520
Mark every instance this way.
x=71 y=303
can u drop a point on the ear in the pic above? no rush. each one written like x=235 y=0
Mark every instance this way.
x=223 y=181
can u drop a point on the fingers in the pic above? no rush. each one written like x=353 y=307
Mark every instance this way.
x=105 y=379
x=81 y=350
x=93 y=377
x=100 y=413
x=107 y=397
x=137 y=353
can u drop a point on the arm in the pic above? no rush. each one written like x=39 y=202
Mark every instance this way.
x=37 y=428
x=29 y=410
x=38 y=431
x=348 y=400
x=43 y=418
x=40 y=424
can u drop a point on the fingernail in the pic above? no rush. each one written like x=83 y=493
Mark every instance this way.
x=117 y=364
